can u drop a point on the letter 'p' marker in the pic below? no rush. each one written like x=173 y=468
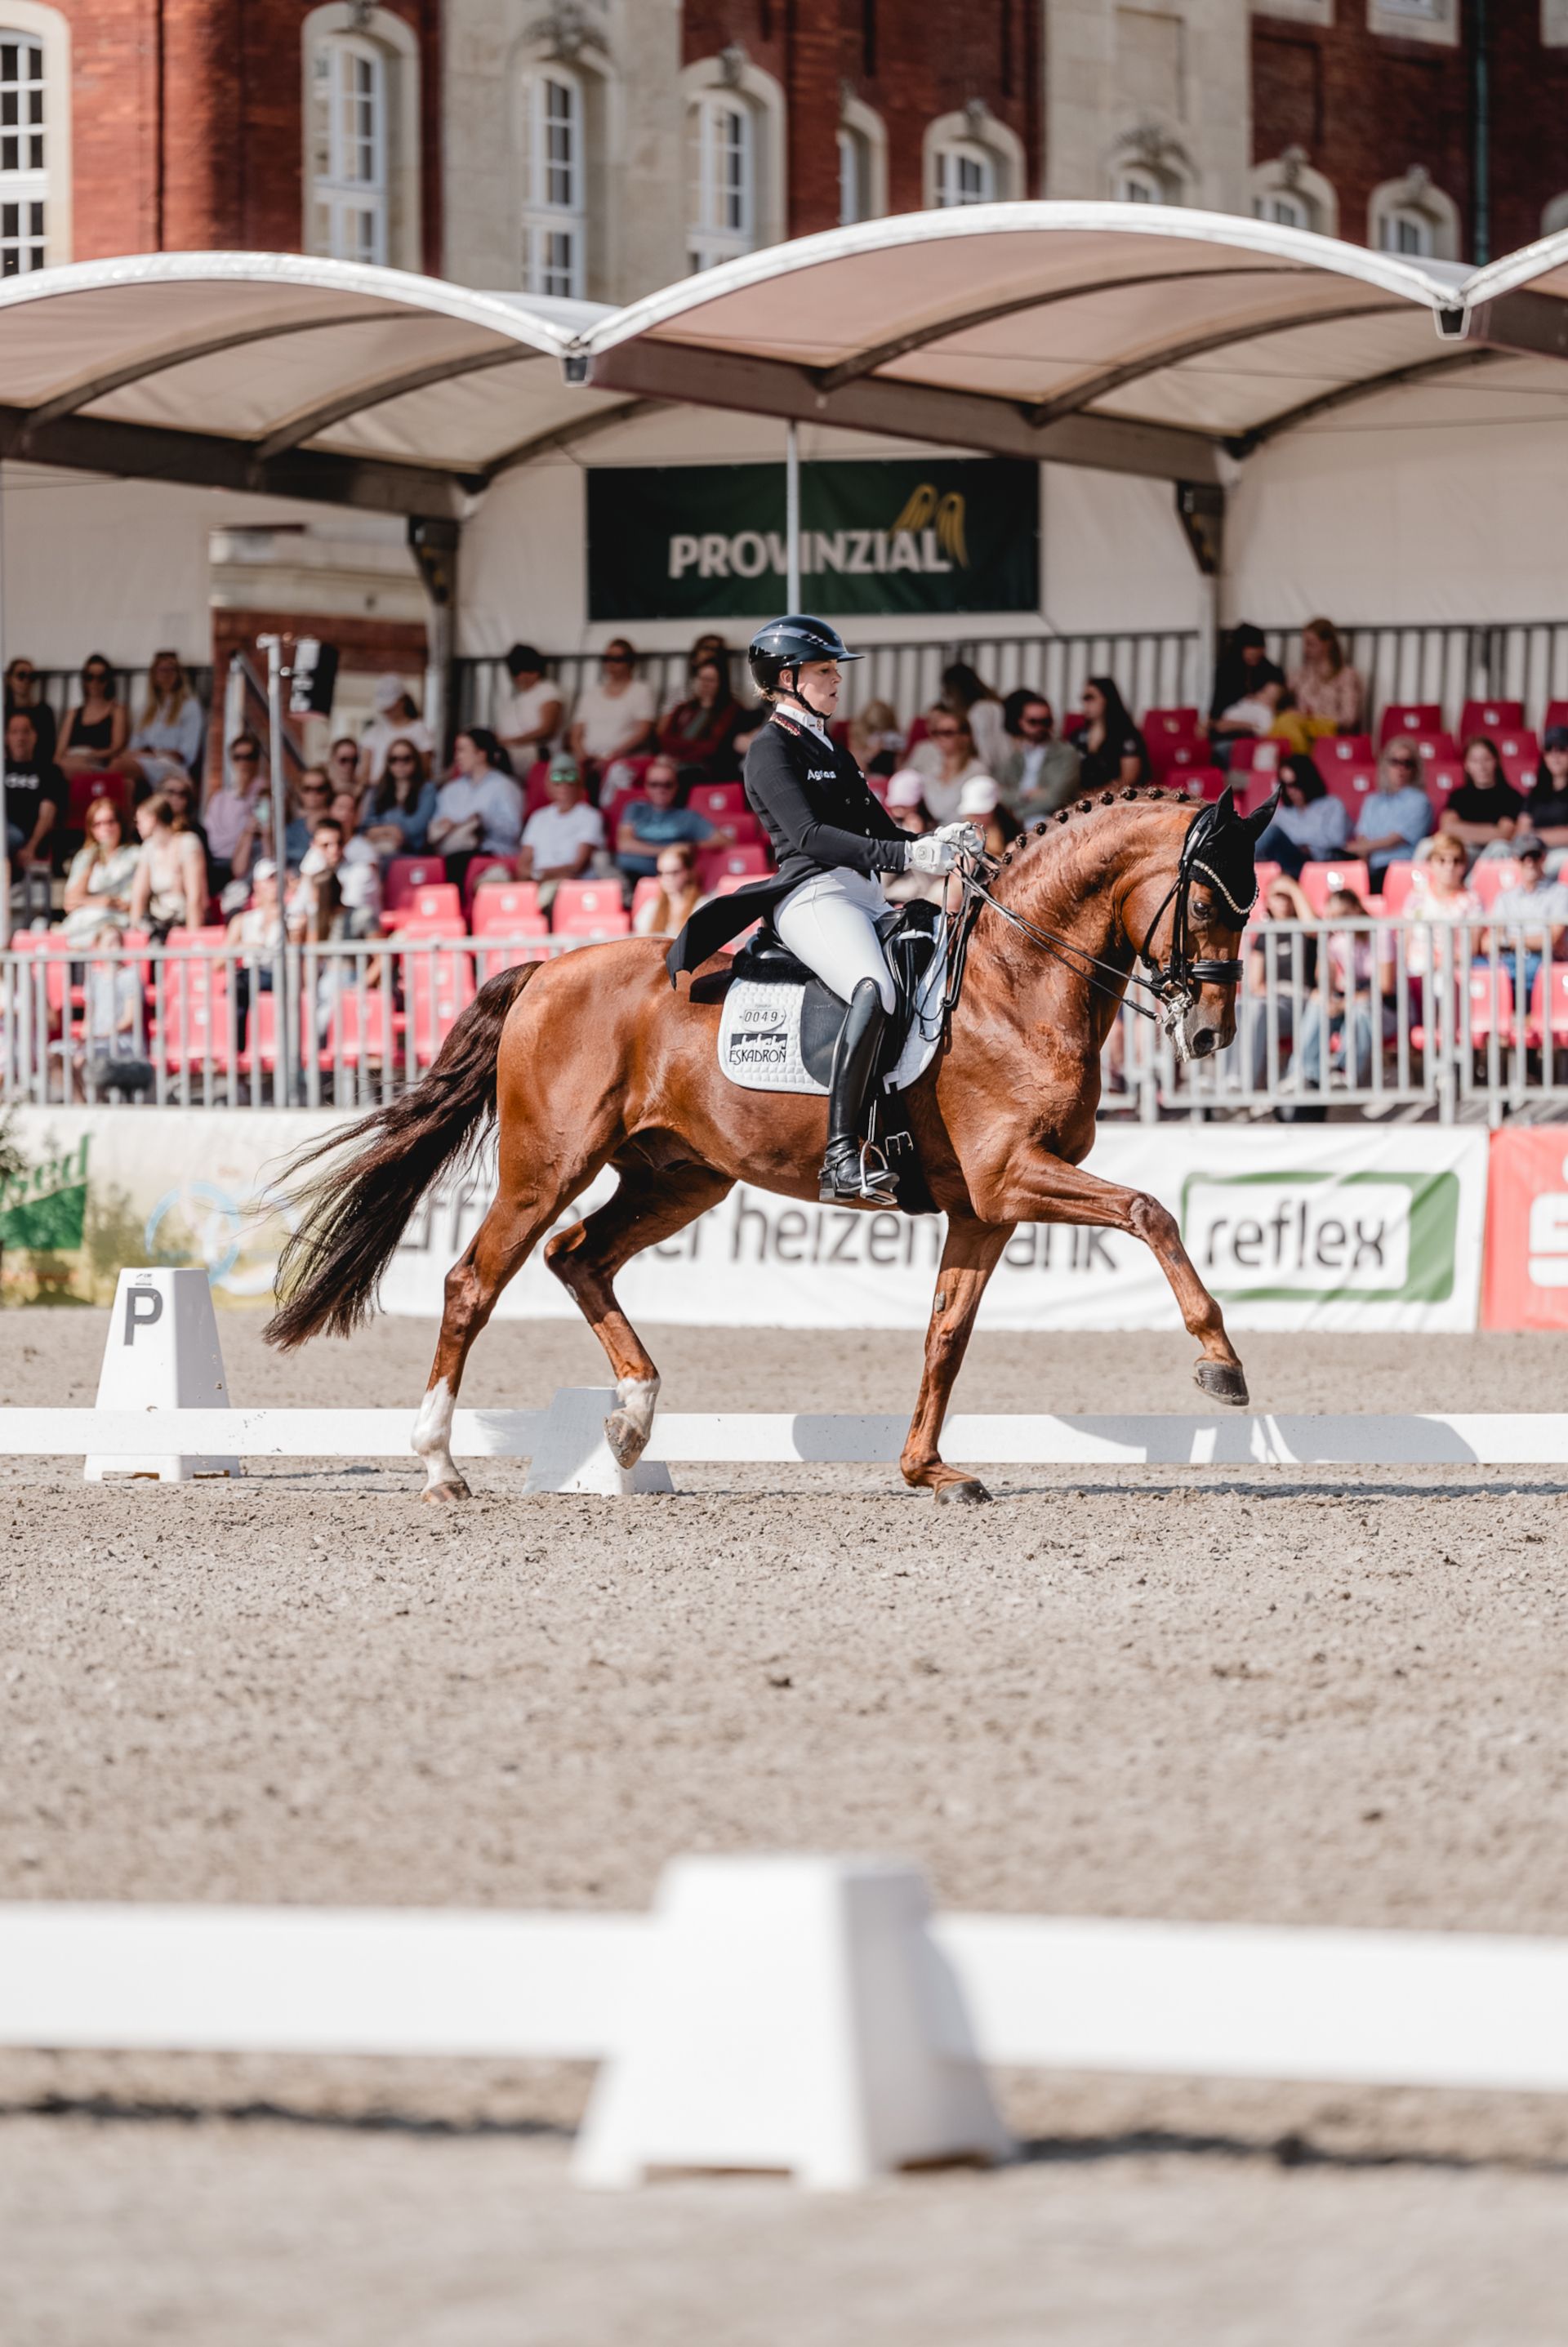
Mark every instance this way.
x=135 y=1316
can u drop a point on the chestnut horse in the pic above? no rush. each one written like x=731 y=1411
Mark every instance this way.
x=593 y=1060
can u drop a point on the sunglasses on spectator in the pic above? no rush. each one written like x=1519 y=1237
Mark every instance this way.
x=400 y=758
x=659 y=782
x=944 y=732
x=1034 y=725
x=1409 y=764
x=341 y=756
x=617 y=659
x=241 y=757
x=24 y=676
x=312 y=790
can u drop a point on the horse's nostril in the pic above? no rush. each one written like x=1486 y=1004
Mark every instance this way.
x=1203 y=1042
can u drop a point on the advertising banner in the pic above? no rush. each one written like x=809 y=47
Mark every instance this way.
x=1333 y=1227
x=927 y=534
x=1527 y=1229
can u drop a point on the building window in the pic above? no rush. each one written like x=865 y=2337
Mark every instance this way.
x=723 y=209
x=965 y=174
x=1287 y=211
x=853 y=176
x=348 y=149
x=554 y=226
x=1136 y=186
x=24 y=177
x=1405 y=232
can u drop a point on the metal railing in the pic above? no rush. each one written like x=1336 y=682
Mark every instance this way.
x=1448 y=1021
x=1406 y=1018
x=1155 y=667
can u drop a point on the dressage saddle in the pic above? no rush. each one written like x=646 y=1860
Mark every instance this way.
x=768 y=962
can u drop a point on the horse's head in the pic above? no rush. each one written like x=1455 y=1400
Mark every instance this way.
x=1199 y=925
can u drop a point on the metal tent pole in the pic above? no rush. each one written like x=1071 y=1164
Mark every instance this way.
x=792 y=514
x=277 y=672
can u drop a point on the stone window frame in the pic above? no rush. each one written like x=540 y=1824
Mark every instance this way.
x=398 y=45
x=731 y=76
x=50 y=29
x=977 y=131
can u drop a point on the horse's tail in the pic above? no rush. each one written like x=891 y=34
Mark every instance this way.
x=354 y=1214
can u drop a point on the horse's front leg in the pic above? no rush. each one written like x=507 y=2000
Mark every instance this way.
x=1049 y=1190
x=971 y=1255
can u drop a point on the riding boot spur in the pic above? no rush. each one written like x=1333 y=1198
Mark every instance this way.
x=848 y=1170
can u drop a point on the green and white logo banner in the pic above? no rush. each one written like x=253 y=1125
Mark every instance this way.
x=927 y=534
x=1329 y=1226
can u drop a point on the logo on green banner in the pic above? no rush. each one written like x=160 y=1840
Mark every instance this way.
x=927 y=534
x=1370 y=1238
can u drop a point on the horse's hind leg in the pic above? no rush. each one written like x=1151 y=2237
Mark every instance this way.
x=500 y=1246
x=648 y=1206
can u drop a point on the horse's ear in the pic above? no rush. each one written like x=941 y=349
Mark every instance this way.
x=1256 y=824
x=1224 y=808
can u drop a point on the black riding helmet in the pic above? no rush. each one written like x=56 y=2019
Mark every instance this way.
x=787 y=644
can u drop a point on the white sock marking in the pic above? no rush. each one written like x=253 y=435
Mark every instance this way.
x=433 y=1436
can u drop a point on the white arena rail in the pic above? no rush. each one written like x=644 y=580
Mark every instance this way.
x=796 y=2012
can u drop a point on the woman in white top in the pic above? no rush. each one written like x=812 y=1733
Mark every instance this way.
x=946 y=761
x=966 y=692
x=1437 y=895
x=170 y=891
x=613 y=719
x=98 y=891
x=529 y=715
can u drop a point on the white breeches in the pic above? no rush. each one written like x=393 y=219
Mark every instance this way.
x=830 y=922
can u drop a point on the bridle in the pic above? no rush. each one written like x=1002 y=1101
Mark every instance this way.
x=1173 y=983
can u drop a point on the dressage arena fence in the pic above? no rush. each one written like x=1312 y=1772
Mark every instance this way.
x=1454 y=1021
x=804 y=2014
x=566 y=1453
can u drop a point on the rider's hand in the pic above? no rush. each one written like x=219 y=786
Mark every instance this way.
x=964 y=837
x=934 y=852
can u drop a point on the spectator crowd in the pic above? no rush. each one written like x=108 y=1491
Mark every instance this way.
x=611 y=815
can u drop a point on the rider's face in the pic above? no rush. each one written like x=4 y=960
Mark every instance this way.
x=817 y=683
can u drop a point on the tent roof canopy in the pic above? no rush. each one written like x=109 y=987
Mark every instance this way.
x=295 y=378
x=1136 y=337
x=1130 y=336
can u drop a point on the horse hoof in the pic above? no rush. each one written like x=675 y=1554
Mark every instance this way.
x=969 y=1493
x=1226 y=1380
x=443 y=1495
x=626 y=1440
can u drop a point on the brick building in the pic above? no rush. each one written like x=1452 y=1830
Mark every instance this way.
x=604 y=146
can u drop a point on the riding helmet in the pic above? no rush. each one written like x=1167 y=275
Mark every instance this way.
x=786 y=642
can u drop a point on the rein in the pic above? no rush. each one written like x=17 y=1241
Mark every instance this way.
x=1170 y=982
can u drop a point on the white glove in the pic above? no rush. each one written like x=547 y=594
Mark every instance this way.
x=933 y=852
x=964 y=837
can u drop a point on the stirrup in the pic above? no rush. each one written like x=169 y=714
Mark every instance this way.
x=870 y=1179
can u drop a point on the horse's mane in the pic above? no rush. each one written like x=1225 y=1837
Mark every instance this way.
x=1038 y=838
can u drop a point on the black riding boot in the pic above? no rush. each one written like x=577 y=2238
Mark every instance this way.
x=845 y=1173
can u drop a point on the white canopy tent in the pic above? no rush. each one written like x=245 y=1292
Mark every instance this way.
x=1179 y=346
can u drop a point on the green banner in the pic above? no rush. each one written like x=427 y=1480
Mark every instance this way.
x=924 y=534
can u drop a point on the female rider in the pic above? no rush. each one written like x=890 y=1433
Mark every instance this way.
x=831 y=838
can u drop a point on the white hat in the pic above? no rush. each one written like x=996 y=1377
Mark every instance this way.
x=906 y=788
x=263 y=868
x=980 y=795
x=389 y=693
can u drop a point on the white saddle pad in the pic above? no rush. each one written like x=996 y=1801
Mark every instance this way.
x=759 y=1033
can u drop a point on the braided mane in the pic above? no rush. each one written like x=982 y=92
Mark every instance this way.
x=1049 y=825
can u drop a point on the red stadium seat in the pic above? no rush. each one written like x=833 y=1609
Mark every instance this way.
x=535 y=794
x=1343 y=750
x=1491 y=876
x=1556 y=714
x=512 y=911
x=449 y=926
x=477 y=871
x=588 y=908
x=746 y=863
x=1521 y=754
x=645 y=892
x=435 y=900
x=85 y=788
x=1410 y=717
x=1490 y=1003
x=1491 y=717
x=1549 y=995
x=1252 y=755
x=437 y=988
x=1171 y=726
x=1267 y=873
x=1443 y=775
x=406 y=873
x=1436 y=749
x=1398 y=879
x=1320 y=881
x=720 y=802
x=1198 y=782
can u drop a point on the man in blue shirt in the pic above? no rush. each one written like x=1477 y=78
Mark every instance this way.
x=657 y=820
x=1395 y=817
